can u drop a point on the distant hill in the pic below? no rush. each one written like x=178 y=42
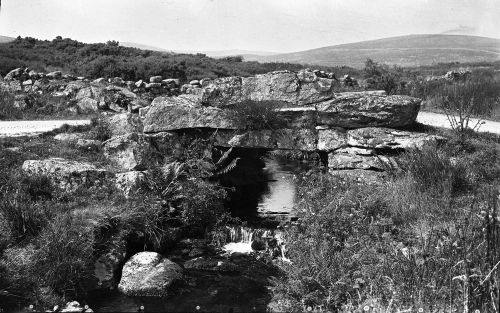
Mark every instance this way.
x=411 y=50
x=5 y=39
x=225 y=53
x=142 y=47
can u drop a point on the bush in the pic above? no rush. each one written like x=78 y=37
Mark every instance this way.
x=462 y=100
x=251 y=114
x=8 y=111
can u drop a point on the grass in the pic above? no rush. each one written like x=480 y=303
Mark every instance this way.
x=426 y=238
x=49 y=238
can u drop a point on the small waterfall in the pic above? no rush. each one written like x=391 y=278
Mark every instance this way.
x=241 y=238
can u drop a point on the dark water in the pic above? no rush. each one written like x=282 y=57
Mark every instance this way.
x=264 y=186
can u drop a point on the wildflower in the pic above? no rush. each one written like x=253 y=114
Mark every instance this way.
x=309 y=309
x=197 y=308
x=420 y=310
x=366 y=308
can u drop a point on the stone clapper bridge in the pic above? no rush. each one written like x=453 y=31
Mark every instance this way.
x=357 y=132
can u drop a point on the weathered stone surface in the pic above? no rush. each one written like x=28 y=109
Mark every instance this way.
x=289 y=139
x=130 y=182
x=386 y=138
x=166 y=144
x=331 y=139
x=301 y=88
x=148 y=274
x=129 y=152
x=87 y=106
x=99 y=81
x=173 y=113
x=152 y=85
x=124 y=123
x=107 y=265
x=362 y=109
x=357 y=158
x=68 y=174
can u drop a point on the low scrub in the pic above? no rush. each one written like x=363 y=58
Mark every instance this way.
x=251 y=114
x=426 y=238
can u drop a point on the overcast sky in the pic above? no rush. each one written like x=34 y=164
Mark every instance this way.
x=262 y=25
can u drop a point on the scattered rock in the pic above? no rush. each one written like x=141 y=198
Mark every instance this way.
x=331 y=139
x=148 y=274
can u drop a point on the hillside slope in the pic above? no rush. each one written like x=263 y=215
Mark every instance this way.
x=412 y=50
x=5 y=39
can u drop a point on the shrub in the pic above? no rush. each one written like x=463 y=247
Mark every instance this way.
x=463 y=100
x=8 y=110
x=258 y=114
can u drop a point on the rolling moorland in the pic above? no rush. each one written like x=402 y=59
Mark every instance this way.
x=411 y=50
x=138 y=207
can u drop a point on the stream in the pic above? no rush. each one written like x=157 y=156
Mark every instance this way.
x=264 y=189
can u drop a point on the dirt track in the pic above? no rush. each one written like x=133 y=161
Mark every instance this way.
x=30 y=128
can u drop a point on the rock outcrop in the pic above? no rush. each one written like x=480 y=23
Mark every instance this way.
x=148 y=274
x=365 y=109
x=130 y=152
x=184 y=112
x=130 y=182
x=301 y=88
x=68 y=174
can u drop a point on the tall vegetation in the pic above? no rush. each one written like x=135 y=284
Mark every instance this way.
x=425 y=239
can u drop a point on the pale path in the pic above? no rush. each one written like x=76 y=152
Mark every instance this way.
x=30 y=128
x=440 y=120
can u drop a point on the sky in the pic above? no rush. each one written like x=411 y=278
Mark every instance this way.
x=258 y=25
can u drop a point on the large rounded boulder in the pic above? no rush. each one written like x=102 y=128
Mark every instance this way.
x=148 y=274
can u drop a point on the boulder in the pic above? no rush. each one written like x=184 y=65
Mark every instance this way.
x=124 y=123
x=68 y=174
x=155 y=79
x=301 y=88
x=107 y=266
x=386 y=138
x=171 y=82
x=148 y=274
x=54 y=75
x=331 y=139
x=15 y=73
x=118 y=81
x=194 y=82
x=288 y=139
x=139 y=83
x=153 y=85
x=99 y=81
x=364 y=109
x=129 y=152
x=358 y=158
x=87 y=106
x=184 y=112
x=130 y=182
